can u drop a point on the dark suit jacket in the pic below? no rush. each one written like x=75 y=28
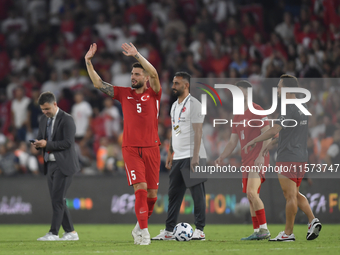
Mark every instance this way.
x=62 y=144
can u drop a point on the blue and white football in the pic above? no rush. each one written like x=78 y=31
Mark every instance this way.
x=183 y=232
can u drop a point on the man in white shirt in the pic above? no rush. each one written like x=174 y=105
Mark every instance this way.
x=186 y=145
x=81 y=113
x=19 y=112
x=286 y=28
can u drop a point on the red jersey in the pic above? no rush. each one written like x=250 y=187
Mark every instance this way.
x=247 y=133
x=140 y=116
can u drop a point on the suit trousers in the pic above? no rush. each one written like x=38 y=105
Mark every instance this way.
x=58 y=184
x=177 y=189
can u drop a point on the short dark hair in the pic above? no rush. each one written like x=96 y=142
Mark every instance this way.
x=46 y=97
x=244 y=84
x=139 y=65
x=289 y=81
x=184 y=75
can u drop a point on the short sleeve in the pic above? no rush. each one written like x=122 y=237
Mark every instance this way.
x=195 y=112
x=117 y=91
x=156 y=95
x=172 y=109
x=289 y=115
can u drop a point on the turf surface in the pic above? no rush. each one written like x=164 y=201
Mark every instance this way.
x=116 y=239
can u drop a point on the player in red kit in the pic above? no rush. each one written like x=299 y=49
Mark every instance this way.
x=243 y=129
x=292 y=154
x=140 y=137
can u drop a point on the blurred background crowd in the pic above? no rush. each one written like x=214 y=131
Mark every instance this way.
x=43 y=42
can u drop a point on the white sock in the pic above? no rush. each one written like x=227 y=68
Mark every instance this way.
x=137 y=227
x=256 y=230
x=264 y=226
x=145 y=231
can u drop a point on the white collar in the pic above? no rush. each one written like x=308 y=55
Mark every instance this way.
x=183 y=99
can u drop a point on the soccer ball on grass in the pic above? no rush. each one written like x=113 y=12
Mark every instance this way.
x=183 y=232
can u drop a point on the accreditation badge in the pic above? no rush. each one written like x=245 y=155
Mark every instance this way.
x=177 y=130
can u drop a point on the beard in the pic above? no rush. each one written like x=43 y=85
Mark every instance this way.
x=137 y=85
x=177 y=93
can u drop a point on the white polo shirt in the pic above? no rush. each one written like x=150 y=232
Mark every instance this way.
x=183 y=144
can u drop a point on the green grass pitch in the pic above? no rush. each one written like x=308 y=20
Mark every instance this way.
x=116 y=239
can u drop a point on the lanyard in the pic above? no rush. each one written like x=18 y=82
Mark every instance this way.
x=180 y=113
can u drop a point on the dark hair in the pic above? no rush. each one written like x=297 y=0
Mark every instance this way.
x=46 y=97
x=137 y=65
x=289 y=81
x=184 y=75
x=244 y=84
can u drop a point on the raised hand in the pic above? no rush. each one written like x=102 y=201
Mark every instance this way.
x=129 y=50
x=89 y=55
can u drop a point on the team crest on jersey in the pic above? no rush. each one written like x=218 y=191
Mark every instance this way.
x=184 y=108
x=145 y=97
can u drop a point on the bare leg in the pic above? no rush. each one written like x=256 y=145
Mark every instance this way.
x=304 y=206
x=290 y=192
x=254 y=182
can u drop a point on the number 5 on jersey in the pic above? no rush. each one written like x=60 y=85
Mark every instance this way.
x=133 y=175
x=139 y=108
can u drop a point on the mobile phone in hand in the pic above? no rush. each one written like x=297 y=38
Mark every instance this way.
x=31 y=141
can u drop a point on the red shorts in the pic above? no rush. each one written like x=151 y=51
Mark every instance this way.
x=292 y=170
x=245 y=183
x=246 y=173
x=142 y=164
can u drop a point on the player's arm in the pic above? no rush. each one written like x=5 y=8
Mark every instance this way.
x=98 y=83
x=270 y=133
x=168 y=162
x=229 y=148
x=197 y=127
x=130 y=50
x=171 y=149
x=266 y=142
x=270 y=146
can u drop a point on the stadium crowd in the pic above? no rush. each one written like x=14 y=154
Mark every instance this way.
x=42 y=47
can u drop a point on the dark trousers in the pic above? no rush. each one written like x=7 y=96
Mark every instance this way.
x=58 y=184
x=176 y=193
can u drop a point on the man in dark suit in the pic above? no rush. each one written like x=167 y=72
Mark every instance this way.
x=56 y=139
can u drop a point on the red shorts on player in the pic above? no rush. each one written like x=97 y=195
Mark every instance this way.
x=292 y=170
x=142 y=165
x=246 y=169
x=245 y=183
